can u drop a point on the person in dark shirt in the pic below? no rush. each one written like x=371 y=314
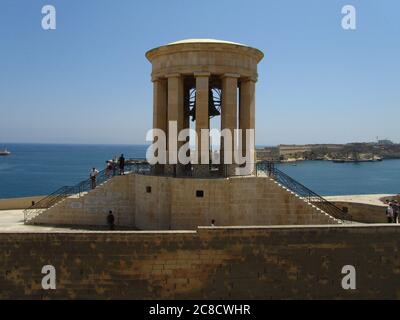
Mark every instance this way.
x=110 y=220
x=396 y=211
x=121 y=162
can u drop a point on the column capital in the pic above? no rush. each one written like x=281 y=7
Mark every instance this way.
x=157 y=78
x=201 y=74
x=230 y=75
x=252 y=78
x=173 y=75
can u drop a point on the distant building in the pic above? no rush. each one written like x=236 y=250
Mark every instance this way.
x=293 y=150
x=385 y=142
x=304 y=151
x=268 y=153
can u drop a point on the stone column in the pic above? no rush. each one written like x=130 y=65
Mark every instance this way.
x=247 y=116
x=229 y=120
x=202 y=122
x=186 y=120
x=175 y=115
x=160 y=116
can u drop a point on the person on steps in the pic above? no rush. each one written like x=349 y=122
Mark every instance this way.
x=93 y=177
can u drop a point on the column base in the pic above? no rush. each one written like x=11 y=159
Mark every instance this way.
x=245 y=170
x=228 y=170
x=157 y=169
x=170 y=169
x=201 y=170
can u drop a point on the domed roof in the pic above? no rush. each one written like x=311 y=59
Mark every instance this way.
x=198 y=44
x=205 y=41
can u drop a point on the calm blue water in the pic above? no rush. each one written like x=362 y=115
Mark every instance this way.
x=328 y=178
x=38 y=169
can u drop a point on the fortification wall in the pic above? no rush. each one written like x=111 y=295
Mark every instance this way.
x=302 y=262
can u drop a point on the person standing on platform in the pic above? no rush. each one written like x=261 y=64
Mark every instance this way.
x=109 y=168
x=121 y=162
x=110 y=220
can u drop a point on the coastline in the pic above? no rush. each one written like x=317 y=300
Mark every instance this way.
x=371 y=199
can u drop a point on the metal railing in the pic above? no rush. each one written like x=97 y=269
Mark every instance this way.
x=82 y=187
x=210 y=171
x=198 y=170
x=302 y=191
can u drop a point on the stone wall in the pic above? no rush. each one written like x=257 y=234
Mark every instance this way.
x=364 y=213
x=91 y=209
x=239 y=201
x=303 y=262
x=18 y=203
x=162 y=203
x=153 y=205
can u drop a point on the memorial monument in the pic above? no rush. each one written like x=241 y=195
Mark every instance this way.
x=194 y=81
x=198 y=79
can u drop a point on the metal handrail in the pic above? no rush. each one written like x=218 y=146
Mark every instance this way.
x=83 y=186
x=143 y=167
x=302 y=191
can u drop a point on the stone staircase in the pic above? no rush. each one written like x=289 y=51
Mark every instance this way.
x=320 y=217
x=301 y=191
x=280 y=200
x=91 y=207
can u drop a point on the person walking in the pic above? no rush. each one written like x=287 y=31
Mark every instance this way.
x=389 y=213
x=110 y=220
x=396 y=211
x=93 y=177
x=121 y=162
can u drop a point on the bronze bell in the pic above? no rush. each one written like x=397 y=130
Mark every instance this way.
x=213 y=102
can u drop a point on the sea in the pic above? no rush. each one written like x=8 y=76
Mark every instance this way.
x=40 y=169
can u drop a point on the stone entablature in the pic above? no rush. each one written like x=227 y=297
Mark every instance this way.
x=204 y=55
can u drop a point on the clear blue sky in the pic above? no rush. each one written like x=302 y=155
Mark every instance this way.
x=89 y=82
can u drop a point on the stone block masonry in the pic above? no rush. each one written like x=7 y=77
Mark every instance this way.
x=302 y=262
x=163 y=203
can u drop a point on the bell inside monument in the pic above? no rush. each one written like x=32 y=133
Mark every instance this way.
x=214 y=103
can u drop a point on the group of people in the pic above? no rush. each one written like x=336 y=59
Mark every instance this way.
x=111 y=169
x=393 y=211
